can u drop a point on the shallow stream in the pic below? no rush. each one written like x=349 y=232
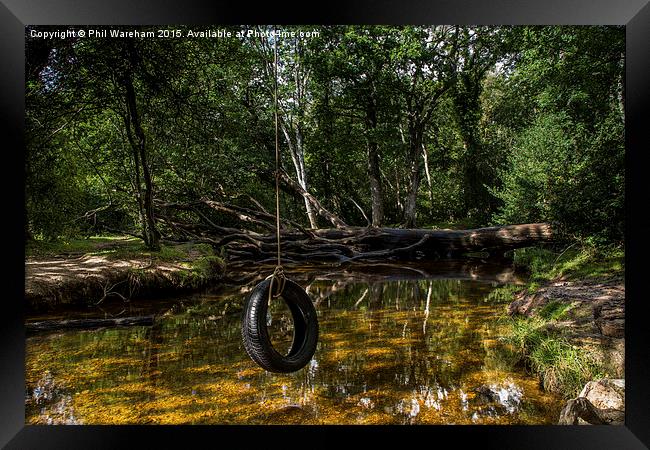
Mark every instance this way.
x=409 y=345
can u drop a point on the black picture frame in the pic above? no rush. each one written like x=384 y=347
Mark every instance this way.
x=634 y=14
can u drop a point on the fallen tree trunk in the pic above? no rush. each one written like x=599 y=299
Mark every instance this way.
x=53 y=325
x=453 y=241
x=342 y=244
x=353 y=244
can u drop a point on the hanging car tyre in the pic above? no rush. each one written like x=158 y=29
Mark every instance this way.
x=255 y=335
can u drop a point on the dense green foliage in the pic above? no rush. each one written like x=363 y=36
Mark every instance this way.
x=394 y=126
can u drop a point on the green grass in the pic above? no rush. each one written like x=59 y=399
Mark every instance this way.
x=200 y=270
x=193 y=265
x=193 y=274
x=577 y=261
x=554 y=310
x=199 y=265
x=502 y=294
x=115 y=247
x=561 y=367
x=525 y=333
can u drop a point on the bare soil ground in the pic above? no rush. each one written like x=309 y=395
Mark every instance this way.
x=90 y=277
x=595 y=320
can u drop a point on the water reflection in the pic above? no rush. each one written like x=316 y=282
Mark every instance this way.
x=402 y=351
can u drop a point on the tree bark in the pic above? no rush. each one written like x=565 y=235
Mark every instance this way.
x=292 y=122
x=137 y=184
x=151 y=233
x=298 y=157
x=415 y=145
x=374 y=173
x=425 y=155
x=380 y=244
x=443 y=242
x=332 y=218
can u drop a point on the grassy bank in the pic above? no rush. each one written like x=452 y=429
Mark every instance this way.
x=577 y=261
x=538 y=340
x=90 y=270
x=562 y=367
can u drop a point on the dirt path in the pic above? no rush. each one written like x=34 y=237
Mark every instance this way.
x=88 y=278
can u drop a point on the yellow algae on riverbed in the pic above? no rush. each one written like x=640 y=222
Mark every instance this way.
x=419 y=364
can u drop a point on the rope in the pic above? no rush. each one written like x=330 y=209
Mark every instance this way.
x=278 y=273
x=277 y=145
x=277 y=276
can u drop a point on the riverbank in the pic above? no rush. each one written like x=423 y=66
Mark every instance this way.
x=91 y=271
x=568 y=323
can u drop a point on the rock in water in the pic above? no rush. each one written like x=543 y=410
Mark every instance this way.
x=505 y=396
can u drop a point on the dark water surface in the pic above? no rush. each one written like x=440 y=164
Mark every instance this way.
x=414 y=345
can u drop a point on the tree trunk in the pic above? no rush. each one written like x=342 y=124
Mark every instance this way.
x=449 y=242
x=375 y=187
x=374 y=173
x=151 y=233
x=313 y=202
x=137 y=184
x=292 y=124
x=467 y=106
x=311 y=214
x=381 y=244
x=415 y=145
x=398 y=193
x=298 y=159
x=426 y=171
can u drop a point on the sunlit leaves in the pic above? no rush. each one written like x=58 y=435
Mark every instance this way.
x=207 y=112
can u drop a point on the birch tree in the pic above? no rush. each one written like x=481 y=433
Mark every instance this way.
x=421 y=64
